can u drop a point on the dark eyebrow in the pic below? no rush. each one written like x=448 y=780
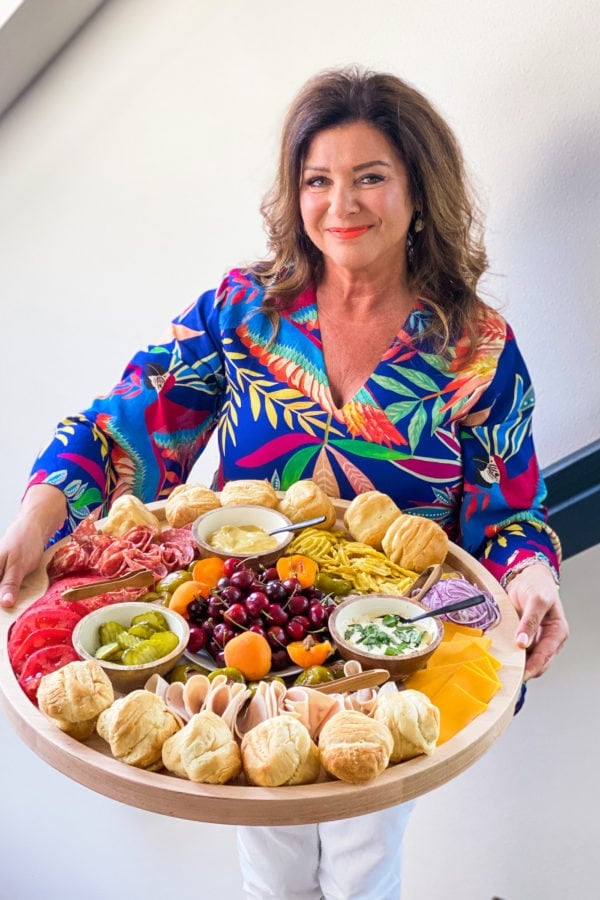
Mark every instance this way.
x=373 y=162
x=360 y=167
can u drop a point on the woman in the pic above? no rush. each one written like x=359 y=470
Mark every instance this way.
x=358 y=354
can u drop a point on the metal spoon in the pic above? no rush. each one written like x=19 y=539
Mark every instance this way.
x=298 y=526
x=448 y=607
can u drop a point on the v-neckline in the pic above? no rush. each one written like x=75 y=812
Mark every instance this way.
x=405 y=330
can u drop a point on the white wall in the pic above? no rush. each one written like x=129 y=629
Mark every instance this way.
x=130 y=177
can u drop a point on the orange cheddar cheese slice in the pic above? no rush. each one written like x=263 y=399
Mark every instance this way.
x=461 y=678
x=451 y=628
x=475 y=683
x=457 y=709
x=459 y=649
x=484 y=665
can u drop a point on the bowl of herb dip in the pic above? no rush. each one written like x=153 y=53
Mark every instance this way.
x=368 y=628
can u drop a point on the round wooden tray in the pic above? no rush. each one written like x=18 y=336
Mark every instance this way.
x=92 y=765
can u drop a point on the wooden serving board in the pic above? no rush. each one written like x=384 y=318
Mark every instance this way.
x=92 y=765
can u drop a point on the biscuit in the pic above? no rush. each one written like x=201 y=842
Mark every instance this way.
x=414 y=542
x=305 y=500
x=74 y=697
x=413 y=720
x=354 y=747
x=249 y=492
x=280 y=751
x=369 y=516
x=188 y=501
x=203 y=751
x=136 y=727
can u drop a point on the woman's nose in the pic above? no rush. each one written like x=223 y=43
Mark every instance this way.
x=343 y=200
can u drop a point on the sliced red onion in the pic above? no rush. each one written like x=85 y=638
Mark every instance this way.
x=447 y=590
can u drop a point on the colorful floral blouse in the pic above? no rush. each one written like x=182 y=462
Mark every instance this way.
x=447 y=441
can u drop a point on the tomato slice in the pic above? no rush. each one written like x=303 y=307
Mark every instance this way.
x=41 y=663
x=35 y=640
x=34 y=618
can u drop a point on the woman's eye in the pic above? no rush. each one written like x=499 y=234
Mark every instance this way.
x=371 y=178
x=317 y=181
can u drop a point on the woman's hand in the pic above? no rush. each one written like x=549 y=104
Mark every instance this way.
x=21 y=549
x=542 y=627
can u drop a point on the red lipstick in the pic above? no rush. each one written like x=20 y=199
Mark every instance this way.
x=347 y=234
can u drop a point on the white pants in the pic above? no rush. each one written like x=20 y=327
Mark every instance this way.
x=357 y=858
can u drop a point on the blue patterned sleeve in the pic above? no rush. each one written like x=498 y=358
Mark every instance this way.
x=145 y=435
x=503 y=519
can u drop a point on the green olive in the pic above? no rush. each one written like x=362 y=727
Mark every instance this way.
x=253 y=685
x=315 y=675
x=173 y=580
x=230 y=673
x=337 y=669
x=329 y=584
x=149 y=597
x=185 y=671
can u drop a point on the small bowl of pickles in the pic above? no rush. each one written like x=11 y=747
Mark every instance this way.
x=132 y=641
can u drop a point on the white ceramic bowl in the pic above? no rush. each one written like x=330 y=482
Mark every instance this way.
x=261 y=516
x=128 y=678
x=399 y=667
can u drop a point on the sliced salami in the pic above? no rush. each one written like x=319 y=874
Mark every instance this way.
x=101 y=543
x=111 y=563
x=70 y=558
x=141 y=536
x=149 y=559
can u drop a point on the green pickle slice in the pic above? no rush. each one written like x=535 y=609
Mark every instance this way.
x=145 y=652
x=110 y=631
x=147 y=640
x=142 y=630
x=111 y=652
x=164 y=641
x=127 y=640
x=152 y=617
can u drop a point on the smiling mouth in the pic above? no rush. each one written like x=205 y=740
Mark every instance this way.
x=347 y=234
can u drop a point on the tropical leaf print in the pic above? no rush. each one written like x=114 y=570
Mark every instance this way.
x=268 y=398
x=365 y=418
x=416 y=377
x=417 y=423
x=356 y=478
x=394 y=386
x=368 y=451
x=295 y=466
x=324 y=476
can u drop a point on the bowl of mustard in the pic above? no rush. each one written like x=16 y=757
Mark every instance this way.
x=242 y=532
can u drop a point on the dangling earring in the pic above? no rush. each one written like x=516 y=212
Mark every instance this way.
x=410 y=249
x=418 y=223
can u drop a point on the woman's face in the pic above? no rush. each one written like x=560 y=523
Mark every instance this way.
x=355 y=201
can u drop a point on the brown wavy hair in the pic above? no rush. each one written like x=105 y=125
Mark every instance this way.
x=448 y=255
